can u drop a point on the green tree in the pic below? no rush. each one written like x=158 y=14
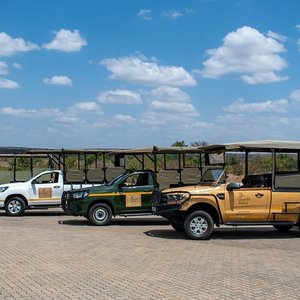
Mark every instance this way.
x=179 y=144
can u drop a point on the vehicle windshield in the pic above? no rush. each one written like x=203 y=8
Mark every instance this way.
x=113 y=181
x=212 y=176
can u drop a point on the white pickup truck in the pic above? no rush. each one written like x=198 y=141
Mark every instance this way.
x=41 y=191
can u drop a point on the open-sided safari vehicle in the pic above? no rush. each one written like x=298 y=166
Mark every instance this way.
x=268 y=193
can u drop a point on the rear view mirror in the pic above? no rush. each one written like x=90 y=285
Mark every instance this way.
x=233 y=186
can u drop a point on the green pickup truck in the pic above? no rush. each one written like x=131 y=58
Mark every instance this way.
x=127 y=194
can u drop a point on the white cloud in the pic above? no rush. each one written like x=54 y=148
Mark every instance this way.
x=119 y=96
x=169 y=94
x=145 y=14
x=86 y=106
x=298 y=26
x=17 y=66
x=138 y=70
x=267 y=77
x=58 y=80
x=20 y=112
x=10 y=46
x=8 y=84
x=3 y=68
x=181 y=108
x=248 y=52
x=173 y=14
x=169 y=106
x=123 y=118
x=276 y=36
x=295 y=95
x=66 y=41
x=240 y=106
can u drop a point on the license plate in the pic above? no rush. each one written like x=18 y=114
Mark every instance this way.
x=153 y=208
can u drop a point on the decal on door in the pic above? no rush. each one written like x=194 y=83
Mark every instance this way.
x=45 y=193
x=133 y=200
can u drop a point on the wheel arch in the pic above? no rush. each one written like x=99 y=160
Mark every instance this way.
x=210 y=209
x=105 y=201
x=18 y=196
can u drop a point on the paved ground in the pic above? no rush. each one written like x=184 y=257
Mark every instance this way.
x=48 y=255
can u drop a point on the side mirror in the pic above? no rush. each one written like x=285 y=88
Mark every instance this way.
x=121 y=185
x=33 y=181
x=233 y=186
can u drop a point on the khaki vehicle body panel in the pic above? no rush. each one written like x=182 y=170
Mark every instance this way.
x=244 y=204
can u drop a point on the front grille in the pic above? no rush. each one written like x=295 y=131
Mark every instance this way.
x=67 y=196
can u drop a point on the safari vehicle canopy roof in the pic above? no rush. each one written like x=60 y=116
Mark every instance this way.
x=158 y=150
x=258 y=146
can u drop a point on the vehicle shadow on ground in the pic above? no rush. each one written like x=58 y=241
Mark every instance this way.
x=118 y=222
x=33 y=213
x=230 y=234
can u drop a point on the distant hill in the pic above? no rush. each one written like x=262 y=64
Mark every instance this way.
x=13 y=150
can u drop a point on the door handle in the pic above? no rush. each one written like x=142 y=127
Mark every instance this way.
x=57 y=186
x=258 y=195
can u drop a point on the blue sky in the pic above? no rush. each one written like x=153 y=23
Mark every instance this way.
x=92 y=74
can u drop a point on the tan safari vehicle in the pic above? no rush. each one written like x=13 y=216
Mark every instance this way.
x=268 y=193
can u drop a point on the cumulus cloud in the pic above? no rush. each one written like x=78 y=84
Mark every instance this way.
x=70 y=114
x=140 y=70
x=295 y=95
x=87 y=106
x=267 y=77
x=169 y=94
x=276 y=36
x=17 y=66
x=58 y=80
x=21 y=112
x=8 y=84
x=10 y=46
x=184 y=108
x=123 y=118
x=169 y=105
x=119 y=97
x=3 y=68
x=66 y=41
x=240 y=106
x=249 y=52
x=173 y=14
x=145 y=14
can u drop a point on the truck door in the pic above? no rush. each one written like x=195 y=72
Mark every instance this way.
x=136 y=193
x=46 y=189
x=247 y=204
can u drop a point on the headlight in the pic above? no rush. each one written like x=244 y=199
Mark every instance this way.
x=175 y=198
x=3 y=189
x=80 y=194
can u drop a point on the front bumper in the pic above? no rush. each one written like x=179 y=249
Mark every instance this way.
x=71 y=206
x=167 y=211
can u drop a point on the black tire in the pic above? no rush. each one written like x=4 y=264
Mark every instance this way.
x=198 y=225
x=15 y=206
x=177 y=227
x=100 y=214
x=283 y=227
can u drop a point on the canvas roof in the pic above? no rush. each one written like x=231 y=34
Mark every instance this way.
x=263 y=146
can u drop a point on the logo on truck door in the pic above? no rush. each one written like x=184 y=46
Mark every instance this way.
x=45 y=193
x=133 y=200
